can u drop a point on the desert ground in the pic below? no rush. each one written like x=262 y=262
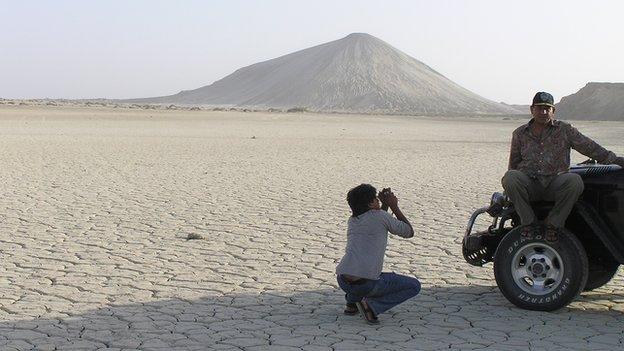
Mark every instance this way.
x=97 y=204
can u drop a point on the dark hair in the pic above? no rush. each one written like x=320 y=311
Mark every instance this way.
x=360 y=197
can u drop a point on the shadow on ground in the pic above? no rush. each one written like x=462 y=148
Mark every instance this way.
x=453 y=317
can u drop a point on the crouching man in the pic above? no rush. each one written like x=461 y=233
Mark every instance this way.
x=359 y=274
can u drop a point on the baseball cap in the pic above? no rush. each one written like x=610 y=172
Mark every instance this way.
x=543 y=99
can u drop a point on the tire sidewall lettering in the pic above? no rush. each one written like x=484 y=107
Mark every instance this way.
x=542 y=299
x=521 y=241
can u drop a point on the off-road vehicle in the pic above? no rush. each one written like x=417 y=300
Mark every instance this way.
x=536 y=274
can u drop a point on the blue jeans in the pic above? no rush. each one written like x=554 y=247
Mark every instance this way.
x=381 y=295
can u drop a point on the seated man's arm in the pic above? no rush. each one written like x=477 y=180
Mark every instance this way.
x=590 y=148
x=514 y=153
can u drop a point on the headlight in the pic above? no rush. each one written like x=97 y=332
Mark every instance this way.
x=496 y=204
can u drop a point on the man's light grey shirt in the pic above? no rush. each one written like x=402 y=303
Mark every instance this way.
x=367 y=238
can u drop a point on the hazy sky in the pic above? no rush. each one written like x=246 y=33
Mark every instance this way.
x=502 y=50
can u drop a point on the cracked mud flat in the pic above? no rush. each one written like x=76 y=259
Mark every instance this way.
x=97 y=205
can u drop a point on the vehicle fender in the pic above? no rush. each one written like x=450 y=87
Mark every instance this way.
x=601 y=230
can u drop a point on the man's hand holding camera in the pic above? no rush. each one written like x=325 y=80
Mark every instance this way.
x=388 y=199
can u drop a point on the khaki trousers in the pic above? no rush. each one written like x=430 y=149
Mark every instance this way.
x=564 y=189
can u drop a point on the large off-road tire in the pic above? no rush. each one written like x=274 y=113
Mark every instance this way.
x=600 y=273
x=537 y=275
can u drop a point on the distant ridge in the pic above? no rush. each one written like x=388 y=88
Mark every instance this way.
x=356 y=74
x=595 y=101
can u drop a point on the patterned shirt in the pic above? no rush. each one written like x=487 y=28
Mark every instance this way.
x=549 y=154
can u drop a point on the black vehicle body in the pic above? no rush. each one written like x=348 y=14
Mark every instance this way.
x=596 y=221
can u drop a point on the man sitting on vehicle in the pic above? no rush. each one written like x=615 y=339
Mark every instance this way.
x=539 y=162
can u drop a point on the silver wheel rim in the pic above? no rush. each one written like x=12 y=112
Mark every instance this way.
x=537 y=268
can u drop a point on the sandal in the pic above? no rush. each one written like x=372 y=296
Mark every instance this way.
x=351 y=309
x=551 y=233
x=529 y=231
x=366 y=312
